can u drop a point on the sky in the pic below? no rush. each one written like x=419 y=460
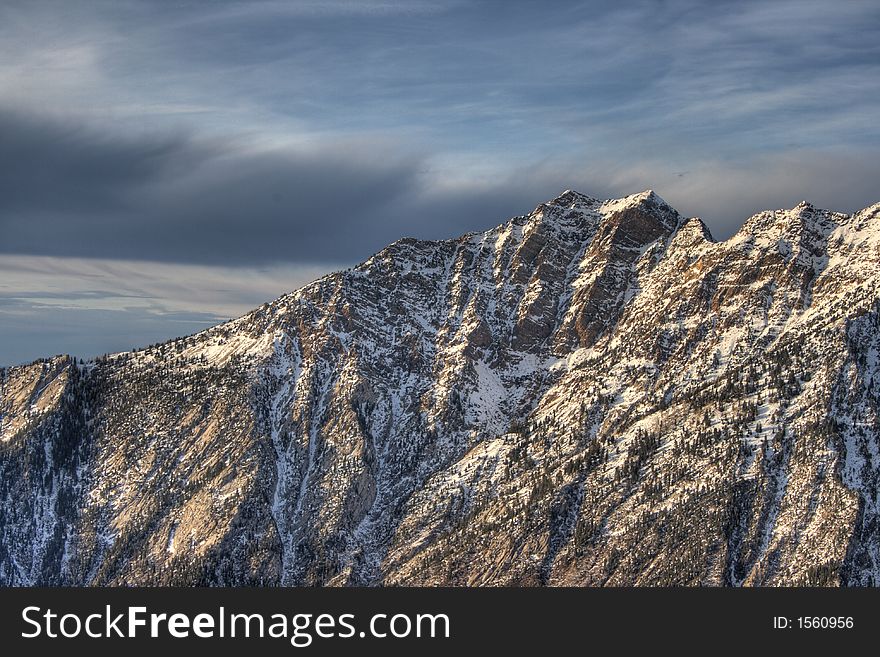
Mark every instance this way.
x=165 y=166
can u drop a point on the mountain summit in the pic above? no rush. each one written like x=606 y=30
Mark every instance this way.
x=595 y=393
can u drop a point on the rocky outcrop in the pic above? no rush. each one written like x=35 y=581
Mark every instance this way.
x=596 y=393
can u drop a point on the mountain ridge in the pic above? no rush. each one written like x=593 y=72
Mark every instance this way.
x=593 y=393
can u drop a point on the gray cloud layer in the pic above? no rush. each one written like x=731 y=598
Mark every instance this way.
x=66 y=189
x=88 y=307
x=241 y=135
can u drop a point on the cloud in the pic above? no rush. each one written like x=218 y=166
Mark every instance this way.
x=724 y=193
x=224 y=292
x=520 y=80
x=38 y=332
x=89 y=307
x=236 y=137
x=68 y=190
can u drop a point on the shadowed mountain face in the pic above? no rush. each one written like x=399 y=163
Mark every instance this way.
x=592 y=394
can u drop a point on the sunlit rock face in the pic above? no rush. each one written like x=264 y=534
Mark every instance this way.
x=596 y=393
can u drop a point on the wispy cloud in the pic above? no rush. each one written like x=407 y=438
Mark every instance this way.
x=88 y=307
x=309 y=134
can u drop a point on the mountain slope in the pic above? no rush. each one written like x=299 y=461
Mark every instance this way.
x=594 y=393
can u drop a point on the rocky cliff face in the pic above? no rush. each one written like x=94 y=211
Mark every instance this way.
x=596 y=393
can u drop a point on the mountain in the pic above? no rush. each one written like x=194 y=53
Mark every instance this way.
x=596 y=393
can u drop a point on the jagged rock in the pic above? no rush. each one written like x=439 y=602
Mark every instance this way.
x=594 y=393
